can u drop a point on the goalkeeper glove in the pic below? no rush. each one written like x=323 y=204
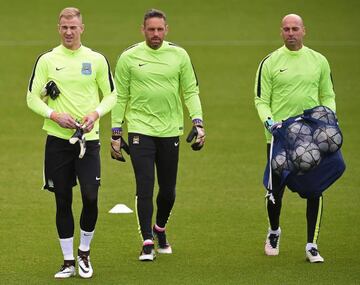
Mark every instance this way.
x=52 y=90
x=79 y=136
x=118 y=143
x=198 y=133
x=270 y=125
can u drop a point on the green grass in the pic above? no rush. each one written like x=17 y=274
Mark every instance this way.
x=218 y=224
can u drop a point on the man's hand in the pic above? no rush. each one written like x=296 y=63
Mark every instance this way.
x=89 y=121
x=270 y=125
x=197 y=132
x=118 y=143
x=64 y=120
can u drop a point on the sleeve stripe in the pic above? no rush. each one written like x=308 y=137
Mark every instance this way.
x=130 y=47
x=33 y=73
x=259 y=77
x=197 y=82
x=110 y=77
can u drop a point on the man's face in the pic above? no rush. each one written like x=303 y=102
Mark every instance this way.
x=154 y=30
x=70 y=31
x=293 y=32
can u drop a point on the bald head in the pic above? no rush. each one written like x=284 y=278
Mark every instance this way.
x=292 y=31
x=292 y=18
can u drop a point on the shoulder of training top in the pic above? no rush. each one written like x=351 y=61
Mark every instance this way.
x=33 y=72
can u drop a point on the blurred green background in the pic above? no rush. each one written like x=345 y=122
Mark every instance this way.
x=218 y=225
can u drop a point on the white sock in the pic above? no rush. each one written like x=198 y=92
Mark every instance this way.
x=85 y=240
x=309 y=245
x=277 y=232
x=67 y=248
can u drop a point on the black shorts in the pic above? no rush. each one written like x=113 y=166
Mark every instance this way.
x=62 y=164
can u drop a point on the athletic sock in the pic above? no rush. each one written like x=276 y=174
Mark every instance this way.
x=276 y=232
x=310 y=245
x=85 y=240
x=67 y=248
x=159 y=229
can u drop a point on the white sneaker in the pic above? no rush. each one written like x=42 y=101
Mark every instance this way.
x=84 y=266
x=272 y=243
x=148 y=252
x=313 y=255
x=65 y=271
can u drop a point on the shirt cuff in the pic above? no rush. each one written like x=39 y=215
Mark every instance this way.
x=48 y=113
x=98 y=111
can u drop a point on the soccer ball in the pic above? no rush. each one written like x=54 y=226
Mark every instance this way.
x=298 y=132
x=279 y=162
x=328 y=138
x=324 y=114
x=305 y=156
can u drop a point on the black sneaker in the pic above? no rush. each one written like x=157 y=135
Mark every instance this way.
x=163 y=245
x=148 y=252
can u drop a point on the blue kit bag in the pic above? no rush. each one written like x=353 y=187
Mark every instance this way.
x=305 y=153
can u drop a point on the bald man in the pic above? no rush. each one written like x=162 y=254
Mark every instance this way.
x=290 y=80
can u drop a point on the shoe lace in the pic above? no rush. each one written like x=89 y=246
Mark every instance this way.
x=313 y=251
x=273 y=238
x=85 y=259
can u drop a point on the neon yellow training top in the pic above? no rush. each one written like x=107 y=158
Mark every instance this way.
x=149 y=84
x=78 y=74
x=289 y=82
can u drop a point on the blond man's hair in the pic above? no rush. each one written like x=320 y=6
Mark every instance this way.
x=69 y=13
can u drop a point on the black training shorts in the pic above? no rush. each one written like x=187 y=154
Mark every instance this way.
x=62 y=164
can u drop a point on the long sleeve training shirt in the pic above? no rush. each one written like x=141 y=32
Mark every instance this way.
x=79 y=74
x=289 y=82
x=150 y=84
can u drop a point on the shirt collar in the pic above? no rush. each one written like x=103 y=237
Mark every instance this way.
x=70 y=51
x=294 y=52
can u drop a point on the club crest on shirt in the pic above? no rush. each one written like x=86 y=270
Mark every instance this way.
x=86 y=68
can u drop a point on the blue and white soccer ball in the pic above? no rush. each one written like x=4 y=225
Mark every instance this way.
x=328 y=138
x=305 y=156
x=324 y=114
x=280 y=162
x=298 y=132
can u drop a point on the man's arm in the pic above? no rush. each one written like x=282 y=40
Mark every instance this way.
x=105 y=82
x=36 y=87
x=122 y=83
x=263 y=91
x=326 y=88
x=190 y=88
x=37 y=82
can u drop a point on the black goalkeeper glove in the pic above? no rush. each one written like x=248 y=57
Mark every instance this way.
x=197 y=132
x=52 y=90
